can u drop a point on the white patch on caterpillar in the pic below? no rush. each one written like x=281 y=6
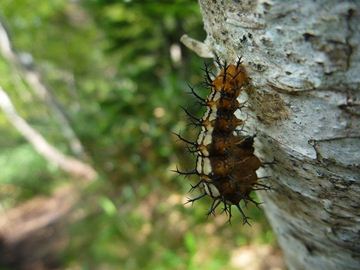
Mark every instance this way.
x=217 y=95
x=207 y=166
x=213 y=114
x=211 y=190
x=203 y=165
x=203 y=151
x=200 y=138
x=207 y=138
x=199 y=165
x=206 y=114
x=212 y=95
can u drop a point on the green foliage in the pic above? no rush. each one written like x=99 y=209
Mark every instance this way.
x=24 y=173
x=109 y=64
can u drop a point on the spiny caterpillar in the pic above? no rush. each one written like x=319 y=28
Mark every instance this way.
x=225 y=162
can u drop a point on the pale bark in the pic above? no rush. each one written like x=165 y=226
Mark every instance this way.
x=70 y=165
x=304 y=61
x=33 y=78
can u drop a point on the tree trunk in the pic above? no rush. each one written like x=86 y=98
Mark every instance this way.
x=304 y=61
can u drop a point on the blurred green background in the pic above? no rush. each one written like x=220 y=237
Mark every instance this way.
x=120 y=73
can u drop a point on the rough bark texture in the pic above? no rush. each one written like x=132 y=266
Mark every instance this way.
x=304 y=61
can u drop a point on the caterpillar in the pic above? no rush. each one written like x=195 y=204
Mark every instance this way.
x=225 y=159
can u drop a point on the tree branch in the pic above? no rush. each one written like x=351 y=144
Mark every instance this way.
x=33 y=78
x=68 y=164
